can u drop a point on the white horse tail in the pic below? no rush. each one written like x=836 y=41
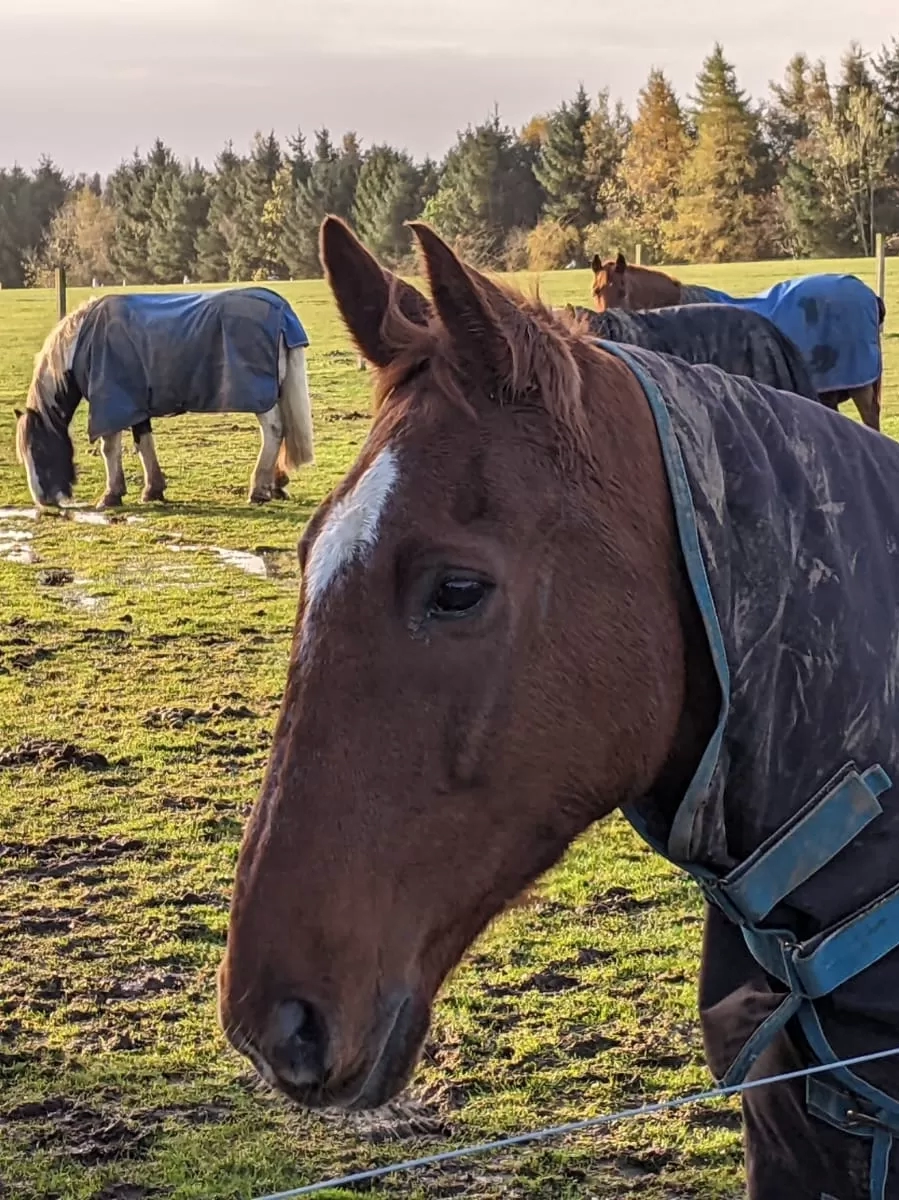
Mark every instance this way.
x=297 y=448
x=55 y=358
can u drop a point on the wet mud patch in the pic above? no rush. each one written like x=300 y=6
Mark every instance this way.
x=617 y=901
x=55 y=755
x=147 y=983
x=547 y=982
x=88 y=1135
x=128 y=1191
x=590 y=1047
x=55 y=577
x=42 y=922
x=341 y=415
x=22 y=660
x=94 y=1136
x=67 y=855
x=179 y=717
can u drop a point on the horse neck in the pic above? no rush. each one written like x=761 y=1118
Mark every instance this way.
x=651 y=289
x=626 y=442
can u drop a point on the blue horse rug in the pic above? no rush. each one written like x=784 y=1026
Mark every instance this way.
x=738 y=341
x=789 y=530
x=835 y=321
x=139 y=357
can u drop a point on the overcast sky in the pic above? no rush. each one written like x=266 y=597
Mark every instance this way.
x=87 y=81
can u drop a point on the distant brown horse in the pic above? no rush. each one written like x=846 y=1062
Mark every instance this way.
x=559 y=579
x=835 y=320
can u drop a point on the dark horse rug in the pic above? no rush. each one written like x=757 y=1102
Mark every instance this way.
x=835 y=321
x=143 y=356
x=789 y=527
x=741 y=343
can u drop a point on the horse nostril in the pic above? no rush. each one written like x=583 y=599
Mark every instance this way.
x=297 y=1043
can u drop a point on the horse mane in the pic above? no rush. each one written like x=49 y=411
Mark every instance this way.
x=50 y=364
x=550 y=356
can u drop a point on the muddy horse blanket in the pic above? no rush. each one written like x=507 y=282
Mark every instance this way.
x=789 y=528
x=739 y=341
x=835 y=321
x=143 y=356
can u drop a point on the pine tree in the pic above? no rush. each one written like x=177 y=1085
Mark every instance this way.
x=719 y=212
x=561 y=167
x=606 y=137
x=254 y=191
x=172 y=237
x=855 y=75
x=217 y=236
x=330 y=187
x=131 y=190
x=886 y=68
x=388 y=193
x=487 y=187
x=654 y=161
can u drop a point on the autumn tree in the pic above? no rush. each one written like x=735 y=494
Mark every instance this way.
x=80 y=238
x=654 y=161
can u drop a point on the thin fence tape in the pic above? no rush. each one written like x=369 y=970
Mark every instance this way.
x=626 y=1114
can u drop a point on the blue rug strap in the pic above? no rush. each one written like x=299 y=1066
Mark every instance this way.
x=797 y=851
x=854 y=1109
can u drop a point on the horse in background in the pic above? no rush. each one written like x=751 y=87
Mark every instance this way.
x=137 y=357
x=741 y=343
x=834 y=320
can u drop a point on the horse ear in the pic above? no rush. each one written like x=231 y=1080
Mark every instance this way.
x=467 y=305
x=596 y=264
x=620 y=264
x=19 y=414
x=362 y=289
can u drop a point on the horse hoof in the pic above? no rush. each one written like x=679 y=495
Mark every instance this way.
x=151 y=494
x=110 y=500
x=260 y=497
x=278 y=493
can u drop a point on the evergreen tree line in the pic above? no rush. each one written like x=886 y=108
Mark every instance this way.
x=811 y=171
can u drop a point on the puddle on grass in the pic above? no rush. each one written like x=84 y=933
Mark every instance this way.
x=82 y=516
x=15 y=547
x=266 y=564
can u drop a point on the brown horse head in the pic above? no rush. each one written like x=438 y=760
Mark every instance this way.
x=490 y=654
x=619 y=284
x=610 y=281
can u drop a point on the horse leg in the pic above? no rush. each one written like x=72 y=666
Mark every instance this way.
x=111 y=447
x=154 y=480
x=868 y=404
x=262 y=481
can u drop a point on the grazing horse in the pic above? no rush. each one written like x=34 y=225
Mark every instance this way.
x=137 y=357
x=741 y=343
x=834 y=320
x=565 y=577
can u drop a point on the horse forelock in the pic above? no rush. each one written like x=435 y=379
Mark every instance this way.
x=548 y=356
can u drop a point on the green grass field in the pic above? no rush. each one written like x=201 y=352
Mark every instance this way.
x=139 y=641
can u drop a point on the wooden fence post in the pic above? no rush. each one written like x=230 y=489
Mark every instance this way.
x=638 y=254
x=880 y=256
x=60 y=293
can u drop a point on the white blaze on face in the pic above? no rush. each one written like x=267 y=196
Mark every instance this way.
x=350 y=531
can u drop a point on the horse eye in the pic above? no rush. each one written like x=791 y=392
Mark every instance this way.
x=456 y=596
